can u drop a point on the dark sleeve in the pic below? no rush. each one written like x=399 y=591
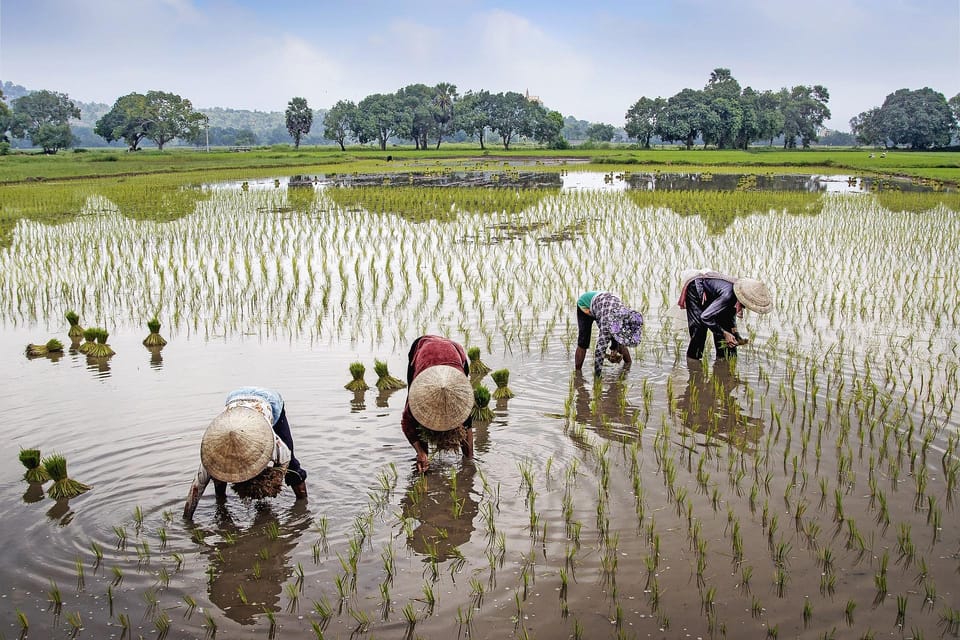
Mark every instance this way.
x=714 y=316
x=409 y=424
x=410 y=354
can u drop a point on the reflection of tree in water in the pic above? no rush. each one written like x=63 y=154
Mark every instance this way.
x=165 y=202
x=606 y=408
x=708 y=406
x=442 y=503
x=248 y=567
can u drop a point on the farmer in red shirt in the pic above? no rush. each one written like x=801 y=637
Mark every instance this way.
x=440 y=398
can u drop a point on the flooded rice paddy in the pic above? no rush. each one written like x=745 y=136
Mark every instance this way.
x=807 y=490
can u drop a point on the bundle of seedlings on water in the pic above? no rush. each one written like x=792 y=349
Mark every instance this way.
x=63 y=487
x=501 y=377
x=477 y=367
x=266 y=484
x=445 y=440
x=385 y=381
x=90 y=335
x=481 y=412
x=154 y=339
x=52 y=346
x=76 y=331
x=100 y=349
x=35 y=471
x=358 y=383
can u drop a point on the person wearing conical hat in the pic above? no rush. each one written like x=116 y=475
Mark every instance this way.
x=439 y=395
x=713 y=302
x=248 y=444
x=620 y=327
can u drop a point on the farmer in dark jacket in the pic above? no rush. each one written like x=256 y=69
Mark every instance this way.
x=713 y=302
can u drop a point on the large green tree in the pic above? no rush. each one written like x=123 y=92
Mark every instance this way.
x=339 y=123
x=684 y=118
x=512 y=116
x=379 y=116
x=601 y=132
x=299 y=119
x=128 y=120
x=475 y=114
x=804 y=111
x=642 y=119
x=920 y=119
x=44 y=117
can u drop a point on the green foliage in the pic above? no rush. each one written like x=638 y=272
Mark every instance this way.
x=299 y=119
x=43 y=116
x=919 y=119
x=157 y=115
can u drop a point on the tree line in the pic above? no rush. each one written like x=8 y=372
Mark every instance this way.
x=722 y=114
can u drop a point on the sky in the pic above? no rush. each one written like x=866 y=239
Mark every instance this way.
x=591 y=59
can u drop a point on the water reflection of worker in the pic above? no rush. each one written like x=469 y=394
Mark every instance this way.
x=707 y=404
x=620 y=328
x=439 y=398
x=713 y=302
x=248 y=568
x=444 y=508
x=250 y=445
x=608 y=408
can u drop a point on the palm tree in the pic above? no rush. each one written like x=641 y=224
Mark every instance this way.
x=444 y=99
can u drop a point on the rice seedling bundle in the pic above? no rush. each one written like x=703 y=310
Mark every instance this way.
x=358 y=383
x=502 y=378
x=52 y=346
x=35 y=471
x=154 y=339
x=100 y=349
x=76 y=331
x=481 y=412
x=478 y=368
x=445 y=440
x=63 y=486
x=90 y=336
x=384 y=379
x=267 y=484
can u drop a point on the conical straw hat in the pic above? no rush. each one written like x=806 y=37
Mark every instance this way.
x=440 y=397
x=753 y=294
x=237 y=445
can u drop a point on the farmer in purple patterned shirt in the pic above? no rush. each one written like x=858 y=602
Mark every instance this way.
x=620 y=327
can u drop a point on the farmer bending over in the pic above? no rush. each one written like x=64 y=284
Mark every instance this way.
x=439 y=399
x=248 y=444
x=620 y=327
x=713 y=302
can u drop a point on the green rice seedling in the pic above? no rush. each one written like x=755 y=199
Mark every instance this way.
x=154 y=339
x=124 y=620
x=362 y=619
x=162 y=624
x=178 y=559
x=191 y=605
x=81 y=581
x=481 y=411
x=410 y=616
x=357 y=369
x=54 y=596
x=385 y=381
x=63 y=487
x=210 y=624
x=477 y=367
x=901 y=611
x=35 y=472
x=76 y=331
x=100 y=348
x=75 y=622
x=293 y=597
x=50 y=347
x=502 y=378
x=117 y=576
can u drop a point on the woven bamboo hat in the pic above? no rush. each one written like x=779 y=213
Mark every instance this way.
x=753 y=294
x=440 y=397
x=237 y=445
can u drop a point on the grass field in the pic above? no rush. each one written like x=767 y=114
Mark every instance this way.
x=942 y=167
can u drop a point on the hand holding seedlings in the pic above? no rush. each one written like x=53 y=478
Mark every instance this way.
x=713 y=302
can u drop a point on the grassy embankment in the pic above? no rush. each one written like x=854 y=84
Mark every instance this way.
x=942 y=167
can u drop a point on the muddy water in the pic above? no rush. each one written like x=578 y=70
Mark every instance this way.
x=664 y=501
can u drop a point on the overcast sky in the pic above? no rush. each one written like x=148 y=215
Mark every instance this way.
x=591 y=59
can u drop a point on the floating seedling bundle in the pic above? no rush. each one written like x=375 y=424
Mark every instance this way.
x=477 y=367
x=266 y=484
x=502 y=378
x=63 y=486
x=76 y=331
x=481 y=411
x=385 y=381
x=154 y=339
x=35 y=471
x=52 y=346
x=358 y=383
x=100 y=349
x=90 y=336
x=445 y=440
